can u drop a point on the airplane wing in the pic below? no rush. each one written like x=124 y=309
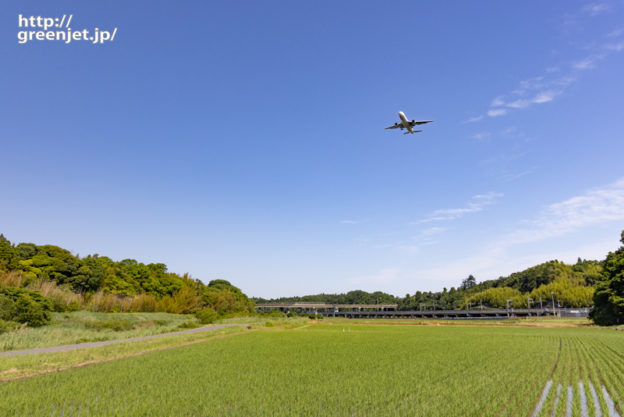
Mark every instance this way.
x=395 y=126
x=419 y=122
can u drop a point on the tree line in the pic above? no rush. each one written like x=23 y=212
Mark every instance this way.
x=68 y=282
x=587 y=283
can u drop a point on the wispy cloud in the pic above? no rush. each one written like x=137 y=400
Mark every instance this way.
x=496 y=112
x=512 y=176
x=497 y=101
x=545 y=96
x=477 y=203
x=593 y=207
x=354 y=221
x=474 y=119
x=588 y=63
x=615 y=33
x=595 y=9
x=617 y=47
x=519 y=104
x=545 y=87
x=426 y=237
x=481 y=136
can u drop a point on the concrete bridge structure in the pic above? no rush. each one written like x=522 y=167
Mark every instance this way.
x=389 y=311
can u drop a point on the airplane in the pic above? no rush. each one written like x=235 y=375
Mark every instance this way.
x=406 y=124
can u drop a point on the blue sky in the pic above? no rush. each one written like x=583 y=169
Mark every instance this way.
x=246 y=141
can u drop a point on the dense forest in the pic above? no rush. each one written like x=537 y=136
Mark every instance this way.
x=571 y=285
x=44 y=278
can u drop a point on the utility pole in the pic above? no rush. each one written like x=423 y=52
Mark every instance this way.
x=552 y=296
x=509 y=302
x=541 y=306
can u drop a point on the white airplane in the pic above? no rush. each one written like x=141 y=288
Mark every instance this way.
x=407 y=124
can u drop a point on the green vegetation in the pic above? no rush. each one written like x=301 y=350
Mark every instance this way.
x=49 y=278
x=83 y=326
x=572 y=286
x=18 y=366
x=344 y=369
x=206 y=315
x=609 y=297
x=18 y=305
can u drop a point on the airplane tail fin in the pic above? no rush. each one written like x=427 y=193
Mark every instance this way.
x=413 y=131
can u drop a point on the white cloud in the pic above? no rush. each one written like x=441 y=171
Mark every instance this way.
x=555 y=81
x=615 y=46
x=477 y=203
x=497 y=112
x=544 y=96
x=481 y=135
x=433 y=231
x=595 y=206
x=508 y=176
x=617 y=32
x=497 y=102
x=519 y=104
x=587 y=63
x=474 y=119
x=595 y=9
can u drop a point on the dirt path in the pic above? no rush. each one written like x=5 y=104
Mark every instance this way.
x=63 y=348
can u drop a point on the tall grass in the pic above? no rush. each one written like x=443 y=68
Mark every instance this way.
x=83 y=326
x=64 y=299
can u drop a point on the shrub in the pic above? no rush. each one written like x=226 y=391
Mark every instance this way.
x=8 y=326
x=206 y=315
x=31 y=312
x=7 y=308
x=24 y=306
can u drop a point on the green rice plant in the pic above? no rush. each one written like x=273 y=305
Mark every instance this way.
x=342 y=369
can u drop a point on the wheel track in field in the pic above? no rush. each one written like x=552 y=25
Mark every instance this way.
x=610 y=380
x=540 y=401
x=590 y=387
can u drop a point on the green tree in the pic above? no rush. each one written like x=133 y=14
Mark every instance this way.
x=609 y=295
x=469 y=282
x=8 y=257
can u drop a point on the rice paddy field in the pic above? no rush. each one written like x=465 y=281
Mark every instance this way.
x=348 y=369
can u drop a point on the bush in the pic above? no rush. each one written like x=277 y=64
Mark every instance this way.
x=24 y=306
x=206 y=315
x=7 y=308
x=31 y=312
x=8 y=326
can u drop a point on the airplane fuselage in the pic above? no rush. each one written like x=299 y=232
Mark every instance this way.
x=405 y=122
